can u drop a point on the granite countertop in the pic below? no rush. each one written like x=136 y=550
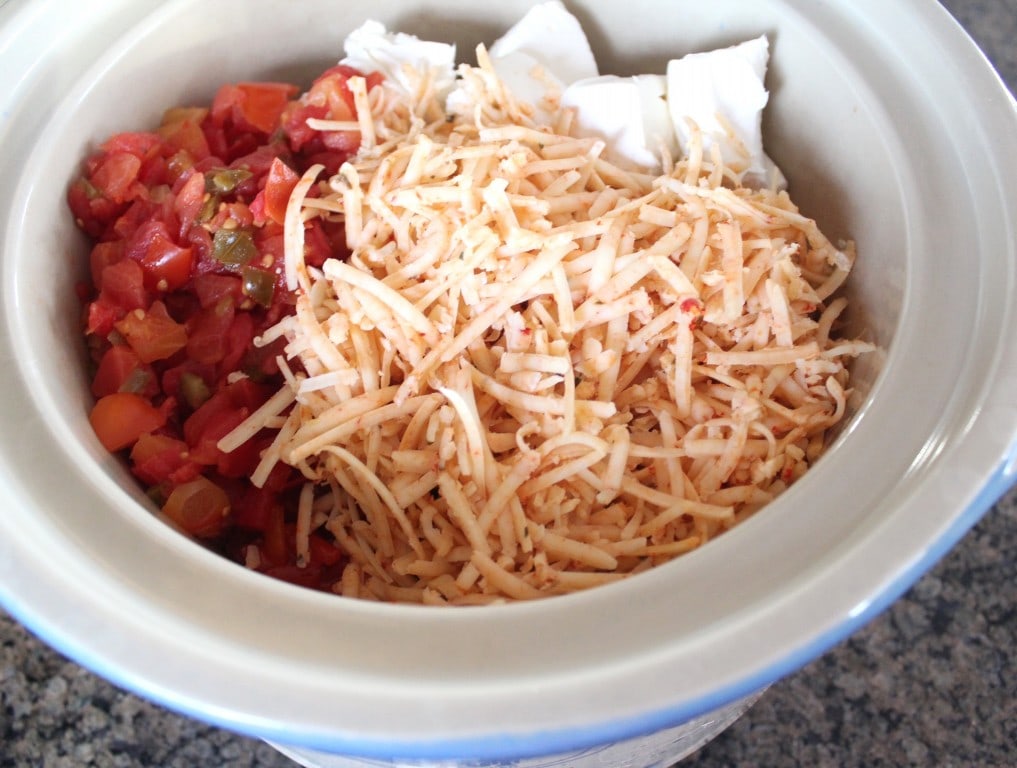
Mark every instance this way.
x=930 y=682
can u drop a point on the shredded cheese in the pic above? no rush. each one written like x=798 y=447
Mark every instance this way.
x=537 y=372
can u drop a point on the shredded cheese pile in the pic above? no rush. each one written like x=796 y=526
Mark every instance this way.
x=538 y=372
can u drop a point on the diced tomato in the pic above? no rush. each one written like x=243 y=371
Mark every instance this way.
x=343 y=142
x=190 y=199
x=119 y=419
x=138 y=213
x=151 y=445
x=121 y=370
x=207 y=332
x=332 y=91
x=323 y=552
x=167 y=266
x=217 y=418
x=258 y=163
x=215 y=425
x=123 y=286
x=226 y=409
x=333 y=86
x=335 y=233
x=252 y=105
x=199 y=507
x=317 y=248
x=200 y=240
x=116 y=175
x=226 y=99
x=252 y=508
x=239 y=339
x=100 y=317
x=153 y=172
x=328 y=98
x=177 y=166
x=247 y=394
x=264 y=102
x=91 y=209
x=294 y=123
x=257 y=206
x=330 y=160
x=181 y=130
x=212 y=288
x=152 y=334
x=281 y=478
x=158 y=459
x=176 y=115
x=225 y=145
x=278 y=188
x=272 y=245
x=243 y=460
x=141 y=144
x=102 y=255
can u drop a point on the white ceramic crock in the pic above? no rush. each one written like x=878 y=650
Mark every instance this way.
x=891 y=128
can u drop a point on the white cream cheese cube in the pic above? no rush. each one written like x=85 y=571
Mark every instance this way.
x=536 y=59
x=371 y=48
x=629 y=113
x=553 y=38
x=723 y=92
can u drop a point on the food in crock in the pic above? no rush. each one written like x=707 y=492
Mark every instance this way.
x=410 y=337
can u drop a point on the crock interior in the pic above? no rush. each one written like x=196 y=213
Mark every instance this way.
x=271 y=656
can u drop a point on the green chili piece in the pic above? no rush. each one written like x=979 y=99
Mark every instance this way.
x=91 y=191
x=208 y=208
x=194 y=389
x=224 y=180
x=136 y=381
x=233 y=247
x=258 y=285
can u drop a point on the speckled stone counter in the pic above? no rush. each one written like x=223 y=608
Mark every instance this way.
x=931 y=682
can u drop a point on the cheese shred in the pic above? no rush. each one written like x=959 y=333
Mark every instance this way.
x=537 y=372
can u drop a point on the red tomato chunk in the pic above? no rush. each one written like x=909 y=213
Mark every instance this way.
x=186 y=270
